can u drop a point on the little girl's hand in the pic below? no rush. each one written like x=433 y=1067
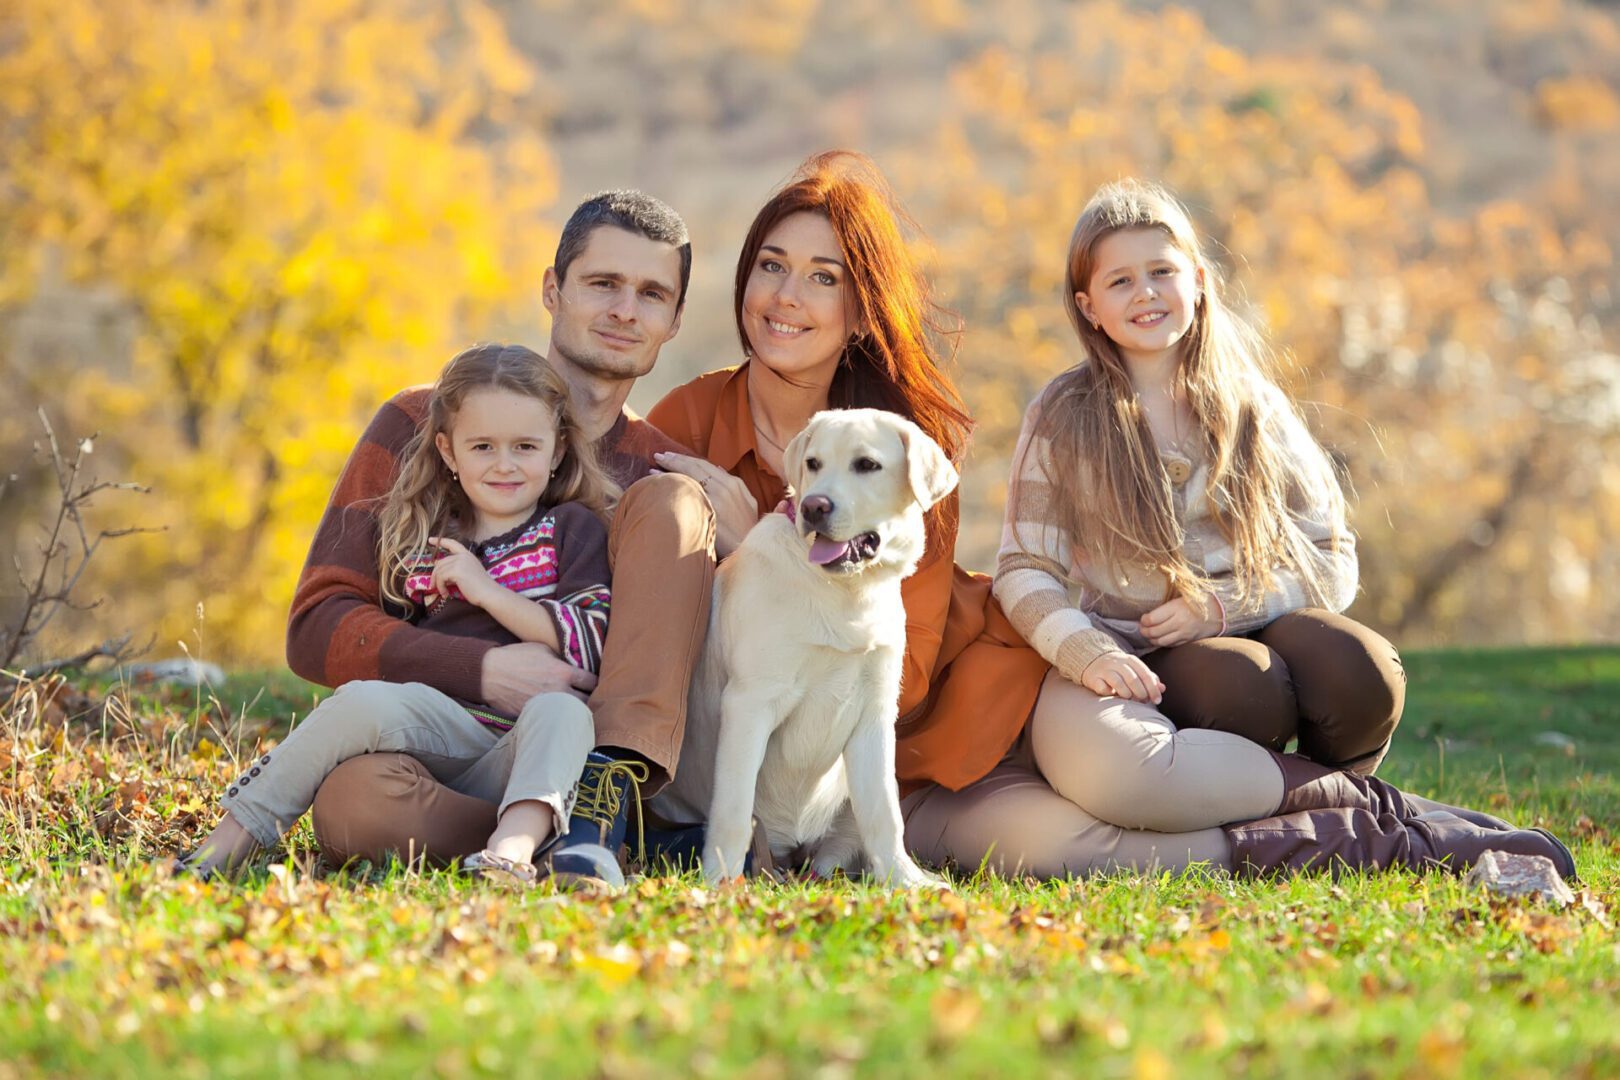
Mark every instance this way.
x=461 y=568
x=1119 y=674
x=1179 y=621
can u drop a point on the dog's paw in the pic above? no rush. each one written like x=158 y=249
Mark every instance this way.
x=718 y=869
x=908 y=875
x=924 y=881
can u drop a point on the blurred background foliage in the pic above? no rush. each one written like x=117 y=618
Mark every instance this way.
x=231 y=228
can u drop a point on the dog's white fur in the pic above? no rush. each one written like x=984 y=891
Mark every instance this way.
x=792 y=710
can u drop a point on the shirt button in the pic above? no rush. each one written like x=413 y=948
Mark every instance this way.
x=1178 y=470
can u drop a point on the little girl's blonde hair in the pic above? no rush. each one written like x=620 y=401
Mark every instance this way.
x=1112 y=495
x=426 y=500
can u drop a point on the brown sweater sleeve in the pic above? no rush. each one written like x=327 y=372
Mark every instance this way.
x=337 y=630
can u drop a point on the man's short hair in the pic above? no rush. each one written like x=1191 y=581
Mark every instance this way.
x=632 y=211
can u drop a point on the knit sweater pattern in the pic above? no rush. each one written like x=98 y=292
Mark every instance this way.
x=558 y=559
x=1072 y=610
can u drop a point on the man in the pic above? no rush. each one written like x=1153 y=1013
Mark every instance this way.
x=615 y=293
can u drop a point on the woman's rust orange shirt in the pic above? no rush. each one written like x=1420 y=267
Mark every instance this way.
x=969 y=682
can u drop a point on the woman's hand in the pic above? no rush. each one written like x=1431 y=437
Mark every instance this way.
x=461 y=568
x=1119 y=674
x=1179 y=621
x=735 y=510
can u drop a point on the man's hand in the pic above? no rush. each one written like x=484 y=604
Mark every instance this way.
x=512 y=674
x=1119 y=674
x=1178 y=621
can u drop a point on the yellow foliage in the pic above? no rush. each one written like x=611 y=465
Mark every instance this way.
x=1580 y=101
x=303 y=207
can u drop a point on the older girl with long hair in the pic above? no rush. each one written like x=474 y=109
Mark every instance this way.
x=1176 y=547
x=1171 y=484
x=493 y=529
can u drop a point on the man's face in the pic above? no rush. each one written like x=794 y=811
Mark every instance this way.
x=618 y=305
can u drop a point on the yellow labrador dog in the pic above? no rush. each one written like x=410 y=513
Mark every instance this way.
x=792 y=711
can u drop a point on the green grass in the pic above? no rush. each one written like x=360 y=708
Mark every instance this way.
x=108 y=967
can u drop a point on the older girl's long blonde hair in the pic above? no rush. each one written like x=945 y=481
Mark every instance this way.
x=1112 y=495
x=426 y=500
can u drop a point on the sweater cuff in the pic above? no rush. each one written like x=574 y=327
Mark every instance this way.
x=1079 y=650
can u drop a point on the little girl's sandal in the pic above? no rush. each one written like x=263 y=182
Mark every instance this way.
x=185 y=866
x=499 y=869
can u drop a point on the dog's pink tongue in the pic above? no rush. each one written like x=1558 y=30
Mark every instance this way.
x=825 y=551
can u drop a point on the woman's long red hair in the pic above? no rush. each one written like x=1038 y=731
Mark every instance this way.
x=897 y=361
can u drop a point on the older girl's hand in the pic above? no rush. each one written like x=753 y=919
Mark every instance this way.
x=1179 y=621
x=1119 y=674
x=735 y=510
x=461 y=568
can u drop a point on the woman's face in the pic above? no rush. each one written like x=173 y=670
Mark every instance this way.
x=798 y=305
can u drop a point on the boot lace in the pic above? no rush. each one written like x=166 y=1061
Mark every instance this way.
x=599 y=798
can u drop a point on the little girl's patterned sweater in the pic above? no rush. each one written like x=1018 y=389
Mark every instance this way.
x=1072 y=611
x=558 y=559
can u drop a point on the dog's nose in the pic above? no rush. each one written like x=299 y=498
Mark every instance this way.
x=815 y=509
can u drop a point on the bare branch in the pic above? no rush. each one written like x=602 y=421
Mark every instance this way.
x=50 y=589
x=1457 y=556
x=115 y=649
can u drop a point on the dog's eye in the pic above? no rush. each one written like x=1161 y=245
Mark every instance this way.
x=812 y=464
x=866 y=464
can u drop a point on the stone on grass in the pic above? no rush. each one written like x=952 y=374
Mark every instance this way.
x=178 y=671
x=1506 y=874
x=1555 y=740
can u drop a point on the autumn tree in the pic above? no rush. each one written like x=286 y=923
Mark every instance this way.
x=290 y=209
x=1455 y=361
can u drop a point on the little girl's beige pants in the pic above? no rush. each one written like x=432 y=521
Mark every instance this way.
x=541 y=758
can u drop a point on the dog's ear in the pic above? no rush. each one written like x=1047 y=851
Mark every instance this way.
x=931 y=473
x=793 y=457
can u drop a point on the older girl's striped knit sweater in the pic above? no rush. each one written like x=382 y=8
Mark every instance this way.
x=1072 y=611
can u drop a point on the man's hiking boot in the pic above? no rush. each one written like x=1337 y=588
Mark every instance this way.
x=586 y=857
